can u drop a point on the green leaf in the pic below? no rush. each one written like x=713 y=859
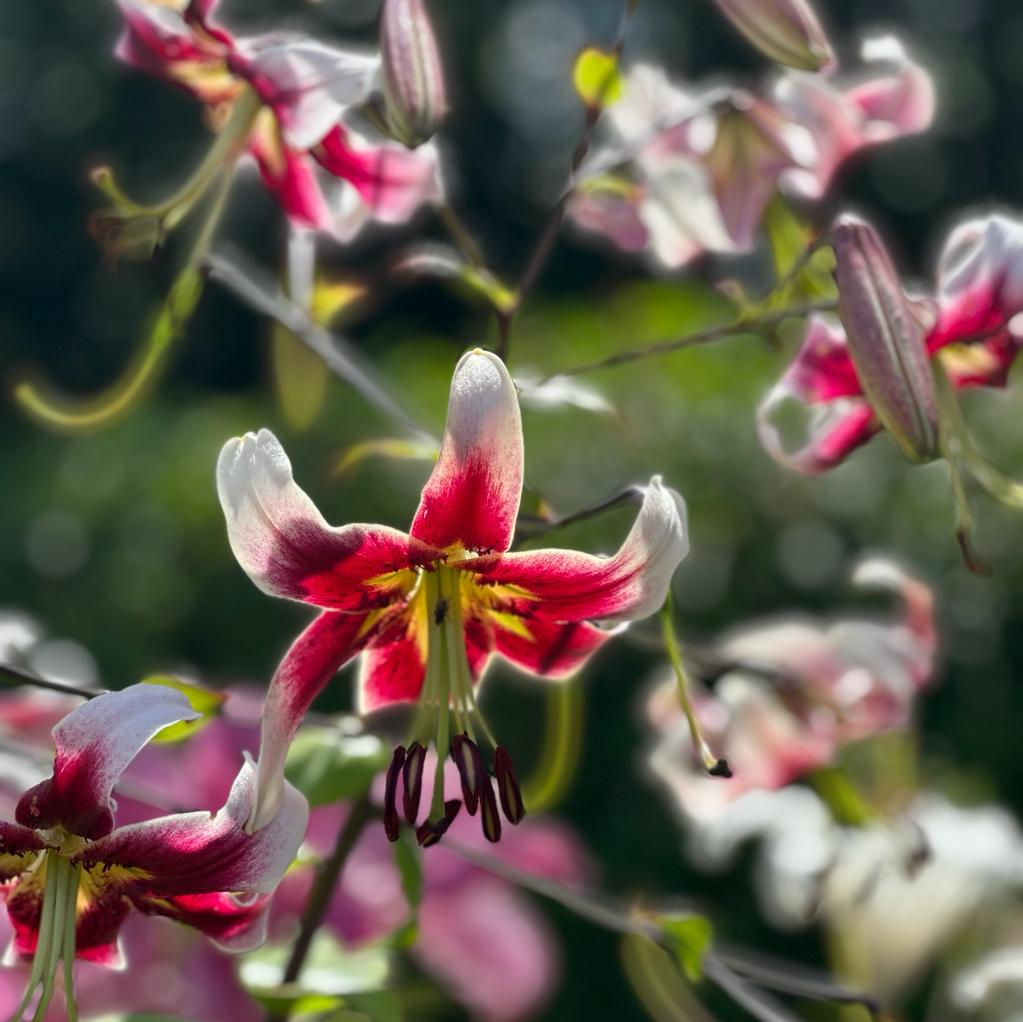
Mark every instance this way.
x=408 y=860
x=383 y=447
x=790 y=238
x=445 y=263
x=689 y=936
x=300 y=378
x=204 y=701
x=380 y=1006
x=327 y=764
x=331 y=971
x=596 y=78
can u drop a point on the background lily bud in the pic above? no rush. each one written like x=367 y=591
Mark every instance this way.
x=413 y=81
x=885 y=339
x=787 y=31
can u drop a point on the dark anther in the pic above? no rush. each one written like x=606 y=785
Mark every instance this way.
x=488 y=811
x=428 y=833
x=413 y=780
x=467 y=758
x=720 y=769
x=391 y=822
x=441 y=611
x=508 y=786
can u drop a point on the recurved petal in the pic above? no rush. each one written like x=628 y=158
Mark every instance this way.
x=822 y=382
x=200 y=853
x=307 y=84
x=233 y=924
x=95 y=742
x=547 y=648
x=471 y=499
x=392 y=182
x=311 y=662
x=566 y=586
x=18 y=847
x=286 y=547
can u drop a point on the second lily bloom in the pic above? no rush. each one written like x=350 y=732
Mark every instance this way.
x=429 y=608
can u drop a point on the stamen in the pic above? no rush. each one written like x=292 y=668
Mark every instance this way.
x=392 y=824
x=508 y=786
x=467 y=758
x=430 y=833
x=412 y=778
x=489 y=816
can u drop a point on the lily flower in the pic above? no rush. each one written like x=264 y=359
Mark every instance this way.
x=429 y=608
x=326 y=173
x=70 y=879
x=690 y=172
x=793 y=691
x=787 y=31
x=968 y=325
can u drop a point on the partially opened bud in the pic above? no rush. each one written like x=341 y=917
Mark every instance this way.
x=787 y=31
x=413 y=81
x=885 y=339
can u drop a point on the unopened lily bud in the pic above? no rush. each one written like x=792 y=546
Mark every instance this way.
x=786 y=31
x=885 y=339
x=413 y=80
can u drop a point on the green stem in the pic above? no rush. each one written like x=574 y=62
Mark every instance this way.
x=710 y=762
x=562 y=740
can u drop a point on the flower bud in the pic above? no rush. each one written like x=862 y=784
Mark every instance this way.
x=885 y=339
x=413 y=81
x=787 y=31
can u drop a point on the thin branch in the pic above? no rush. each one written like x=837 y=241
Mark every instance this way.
x=21 y=676
x=318 y=900
x=706 y=336
x=532 y=528
x=545 y=243
x=235 y=272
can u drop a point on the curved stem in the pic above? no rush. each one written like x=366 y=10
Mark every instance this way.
x=562 y=740
x=747 y=325
x=22 y=677
x=58 y=412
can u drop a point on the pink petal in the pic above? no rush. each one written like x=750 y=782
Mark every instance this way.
x=611 y=214
x=392 y=181
x=823 y=380
x=313 y=660
x=95 y=742
x=290 y=176
x=570 y=586
x=842 y=120
x=201 y=853
x=471 y=499
x=543 y=647
x=307 y=84
x=394 y=663
x=286 y=547
x=233 y=924
x=490 y=946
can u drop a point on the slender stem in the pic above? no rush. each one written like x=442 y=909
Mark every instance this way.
x=318 y=900
x=461 y=235
x=545 y=243
x=247 y=283
x=750 y=325
x=562 y=738
x=20 y=676
x=532 y=528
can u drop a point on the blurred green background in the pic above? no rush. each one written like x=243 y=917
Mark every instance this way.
x=116 y=541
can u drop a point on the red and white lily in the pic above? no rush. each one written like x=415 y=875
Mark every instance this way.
x=428 y=608
x=325 y=173
x=970 y=326
x=70 y=879
x=692 y=172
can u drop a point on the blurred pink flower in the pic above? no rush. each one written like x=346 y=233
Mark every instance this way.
x=787 y=31
x=326 y=174
x=686 y=173
x=969 y=324
x=793 y=691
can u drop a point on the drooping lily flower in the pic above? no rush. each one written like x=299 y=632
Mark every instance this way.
x=685 y=173
x=70 y=879
x=326 y=173
x=793 y=691
x=427 y=609
x=968 y=325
